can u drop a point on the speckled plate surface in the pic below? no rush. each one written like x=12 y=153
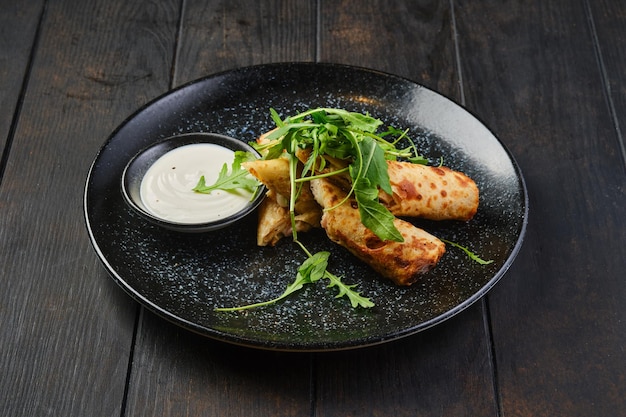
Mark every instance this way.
x=183 y=277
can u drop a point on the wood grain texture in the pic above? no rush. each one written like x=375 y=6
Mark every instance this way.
x=65 y=329
x=607 y=22
x=222 y=35
x=558 y=318
x=413 y=39
x=412 y=377
x=179 y=373
x=18 y=28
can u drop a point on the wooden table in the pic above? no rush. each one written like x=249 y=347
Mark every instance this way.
x=546 y=76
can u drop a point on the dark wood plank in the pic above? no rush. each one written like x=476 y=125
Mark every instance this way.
x=445 y=371
x=177 y=373
x=66 y=329
x=222 y=35
x=442 y=371
x=413 y=39
x=608 y=19
x=558 y=318
x=18 y=27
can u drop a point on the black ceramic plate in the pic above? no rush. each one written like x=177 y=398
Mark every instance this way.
x=183 y=277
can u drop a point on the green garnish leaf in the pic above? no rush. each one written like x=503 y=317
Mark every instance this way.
x=348 y=136
x=374 y=165
x=237 y=178
x=374 y=215
x=356 y=299
x=468 y=252
x=362 y=122
x=276 y=118
x=419 y=159
x=312 y=270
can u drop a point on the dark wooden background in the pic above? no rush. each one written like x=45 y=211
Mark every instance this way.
x=547 y=77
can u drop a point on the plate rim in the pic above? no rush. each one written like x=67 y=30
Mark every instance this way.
x=222 y=336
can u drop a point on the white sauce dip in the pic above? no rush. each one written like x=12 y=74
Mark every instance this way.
x=167 y=188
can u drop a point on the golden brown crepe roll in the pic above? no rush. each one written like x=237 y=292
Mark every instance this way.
x=275 y=222
x=274 y=219
x=331 y=164
x=435 y=193
x=274 y=173
x=401 y=262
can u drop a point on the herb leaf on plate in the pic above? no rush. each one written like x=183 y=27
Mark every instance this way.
x=234 y=179
x=311 y=270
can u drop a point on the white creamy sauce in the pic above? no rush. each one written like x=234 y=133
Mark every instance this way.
x=167 y=188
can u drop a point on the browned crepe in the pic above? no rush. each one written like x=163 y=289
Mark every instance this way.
x=275 y=222
x=401 y=262
x=435 y=193
x=274 y=173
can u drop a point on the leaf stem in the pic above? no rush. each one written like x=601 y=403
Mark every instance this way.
x=468 y=252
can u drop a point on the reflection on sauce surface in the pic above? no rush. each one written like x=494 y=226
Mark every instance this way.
x=167 y=188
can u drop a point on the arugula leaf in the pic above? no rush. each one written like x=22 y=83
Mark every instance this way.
x=312 y=270
x=276 y=118
x=418 y=160
x=356 y=299
x=347 y=136
x=374 y=215
x=362 y=122
x=374 y=165
x=468 y=252
x=237 y=178
x=315 y=266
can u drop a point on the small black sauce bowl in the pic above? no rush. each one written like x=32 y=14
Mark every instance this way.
x=138 y=166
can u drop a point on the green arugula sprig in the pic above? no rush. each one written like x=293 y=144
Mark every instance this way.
x=348 y=136
x=468 y=252
x=312 y=270
x=234 y=179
